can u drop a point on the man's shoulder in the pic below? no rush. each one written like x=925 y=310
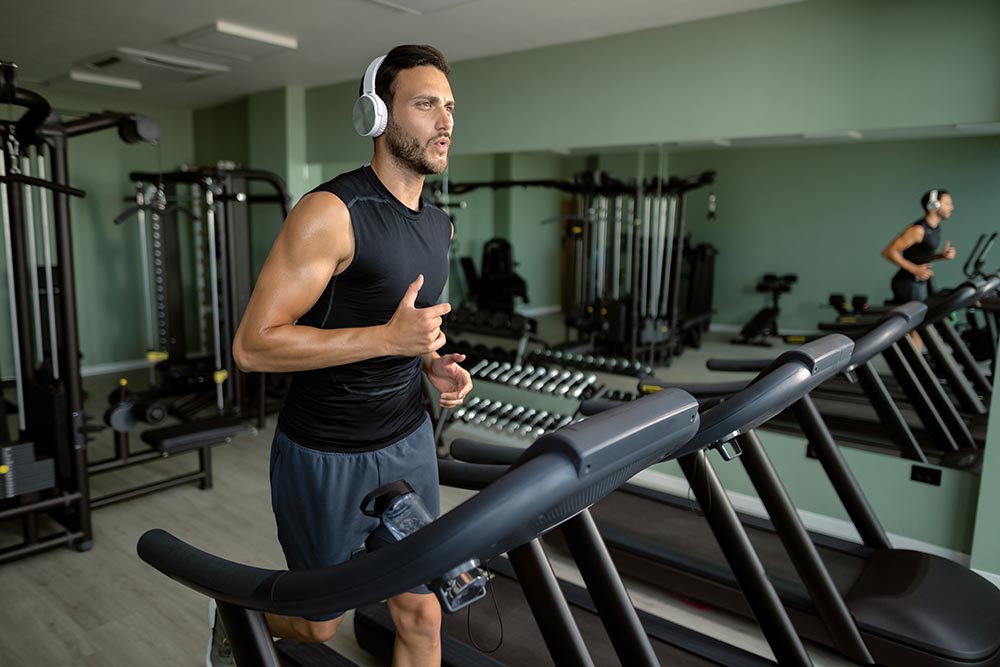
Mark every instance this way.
x=346 y=186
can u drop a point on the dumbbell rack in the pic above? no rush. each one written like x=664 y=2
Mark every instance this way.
x=512 y=404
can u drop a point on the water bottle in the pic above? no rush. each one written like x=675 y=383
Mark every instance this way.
x=402 y=512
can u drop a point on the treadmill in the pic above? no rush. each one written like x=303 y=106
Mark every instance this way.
x=872 y=603
x=552 y=481
x=789 y=378
x=927 y=425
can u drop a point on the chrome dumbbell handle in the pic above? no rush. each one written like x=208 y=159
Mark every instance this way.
x=565 y=386
x=544 y=380
x=473 y=402
x=502 y=424
x=576 y=393
x=502 y=368
x=471 y=414
x=478 y=367
x=562 y=377
x=528 y=426
x=517 y=377
x=489 y=368
x=529 y=379
x=516 y=424
x=514 y=370
x=495 y=417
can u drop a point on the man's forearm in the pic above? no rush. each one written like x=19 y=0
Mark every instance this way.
x=291 y=347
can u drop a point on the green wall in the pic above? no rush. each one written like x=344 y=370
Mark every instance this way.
x=808 y=67
x=222 y=133
x=942 y=515
x=826 y=212
x=106 y=256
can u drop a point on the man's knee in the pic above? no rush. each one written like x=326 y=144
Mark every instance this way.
x=417 y=617
x=317 y=631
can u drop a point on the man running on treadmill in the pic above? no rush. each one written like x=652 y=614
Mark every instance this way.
x=916 y=247
x=346 y=302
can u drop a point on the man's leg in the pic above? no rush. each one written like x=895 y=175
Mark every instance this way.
x=302 y=629
x=418 y=630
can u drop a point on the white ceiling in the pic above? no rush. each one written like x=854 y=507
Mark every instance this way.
x=336 y=38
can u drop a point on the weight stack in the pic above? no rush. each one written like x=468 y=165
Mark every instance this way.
x=20 y=473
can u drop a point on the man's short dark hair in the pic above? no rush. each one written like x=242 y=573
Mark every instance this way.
x=927 y=197
x=403 y=57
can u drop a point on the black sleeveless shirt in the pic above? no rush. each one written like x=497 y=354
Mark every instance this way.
x=372 y=403
x=923 y=252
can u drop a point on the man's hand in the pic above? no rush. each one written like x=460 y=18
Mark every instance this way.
x=923 y=272
x=451 y=380
x=948 y=252
x=412 y=331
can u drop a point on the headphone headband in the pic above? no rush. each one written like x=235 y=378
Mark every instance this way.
x=370 y=115
x=368 y=86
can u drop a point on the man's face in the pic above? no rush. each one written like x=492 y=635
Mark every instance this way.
x=419 y=130
x=947 y=206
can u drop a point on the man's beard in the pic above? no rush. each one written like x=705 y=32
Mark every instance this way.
x=408 y=151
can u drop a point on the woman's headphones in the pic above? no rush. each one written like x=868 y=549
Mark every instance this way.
x=370 y=114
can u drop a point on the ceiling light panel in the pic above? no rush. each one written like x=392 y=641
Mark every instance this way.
x=419 y=7
x=224 y=38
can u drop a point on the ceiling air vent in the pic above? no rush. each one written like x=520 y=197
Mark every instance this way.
x=128 y=63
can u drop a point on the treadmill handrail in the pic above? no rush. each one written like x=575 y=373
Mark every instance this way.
x=957 y=299
x=560 y=474
x=792 y=375
x=785 y=380
x=894 y=325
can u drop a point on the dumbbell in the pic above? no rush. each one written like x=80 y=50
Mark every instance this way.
x=495 y=417
x=516 y=424
x=479 y=409
x=541 y=426
x=508 y=418
x=530 y=424
x=562 y=377
x=580 y=387
x=472 y=402
x=517 y=377
x=528 y=380
x=486 y=414
x=502 y=368
x=565 y=386
x=544 y=380
x=489 y=368
x=554 y=423
x=478 y=367
x=508 y=374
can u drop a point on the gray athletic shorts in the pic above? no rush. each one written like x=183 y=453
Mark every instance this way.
x=316 y=496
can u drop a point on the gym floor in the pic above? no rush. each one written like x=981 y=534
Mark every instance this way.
x=106 y=607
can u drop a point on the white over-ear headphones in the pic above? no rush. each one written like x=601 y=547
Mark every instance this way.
x=370 y=114
x=933 y=203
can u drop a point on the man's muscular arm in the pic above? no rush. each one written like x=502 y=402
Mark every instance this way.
x=315 y=243
x=893 y=252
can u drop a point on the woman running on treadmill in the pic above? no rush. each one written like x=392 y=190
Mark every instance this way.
x=915 y=248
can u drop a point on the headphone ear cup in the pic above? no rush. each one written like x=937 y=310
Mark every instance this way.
x=369 y=115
